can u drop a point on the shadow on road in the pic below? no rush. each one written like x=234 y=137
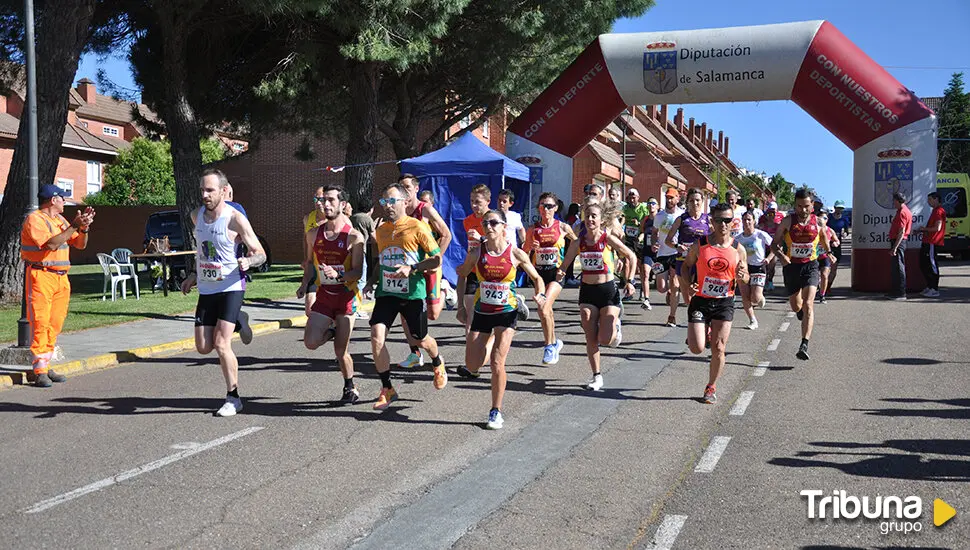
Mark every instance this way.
x=956 y=409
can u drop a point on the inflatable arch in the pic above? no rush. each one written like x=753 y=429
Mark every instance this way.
x=892 y=134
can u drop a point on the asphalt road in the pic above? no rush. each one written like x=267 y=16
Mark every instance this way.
x=132 y=456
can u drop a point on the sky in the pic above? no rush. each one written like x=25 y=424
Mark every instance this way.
x=920 y=43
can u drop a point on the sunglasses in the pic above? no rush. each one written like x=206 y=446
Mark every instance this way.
x=548 y=205
x=319 y=199
x=391 y=201
x=722 y=220
x=652 y=203
x=493 y=223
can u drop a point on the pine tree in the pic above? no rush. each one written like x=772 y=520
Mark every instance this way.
x=954 y=124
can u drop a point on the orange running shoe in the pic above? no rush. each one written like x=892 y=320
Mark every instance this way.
x=440 y=376
x=385 y=398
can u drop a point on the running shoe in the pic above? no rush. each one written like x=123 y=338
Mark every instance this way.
x=245 y=331
x=931 y=293
x=645 y=304
x=803 y=352
x=360 y=314
x=451 y=299
x=412 y=360
x=521 y=308
x=440 y=376
x=230 y=407
x=821 y=299
x=495 y=420
x=351 y=395
x=467 y=374
x=550 y=354
x=753 y=325
x=761 y=302
x=595 y=383
x=707 y=339
x=618 y=338
x=769 y=285
x=924 y=291
x=710 y=397
x=799 y=315
x=385 y=398
x=671 y=321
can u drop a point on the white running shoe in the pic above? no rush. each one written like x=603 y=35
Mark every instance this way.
x=595 y=383
x=230 y=407
x=245 y=331
x=521 y=308
x=753 y=325
x=761 y=302
x=618 y=338
x=412 y=360
x=646 y=304
x=495 y=420
x=931 y=293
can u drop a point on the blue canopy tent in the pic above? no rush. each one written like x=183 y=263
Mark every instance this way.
x=452 y=171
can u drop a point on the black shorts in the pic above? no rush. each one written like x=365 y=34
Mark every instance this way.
x=221 y=306
x=837 y=252
x=599 y=296
x=635 y=244
x=485 y=323
x=759 y=270
x=702 y=310
x=799 y=276
x=667 y=261
x=549 y=275
x=387 y=308
x=471 y=285
x=824 y=262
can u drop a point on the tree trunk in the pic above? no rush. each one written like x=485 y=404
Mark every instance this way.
x=61 y=35
x=362 y=143
x=177 y=113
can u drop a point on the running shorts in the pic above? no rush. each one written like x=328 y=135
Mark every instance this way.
x=599 y=296
x=387 y=309
x=549 y=275
x=703 y=310
x=332 y=304
x=758 y=275
x=635 y=244
x=667 y=261
x=471 y=284
x=837 y=252
x=824 y=261
x=432 y=281
x=485 y=323
x=799 y=276
x=221 y=306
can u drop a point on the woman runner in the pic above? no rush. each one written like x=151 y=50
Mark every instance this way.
x=546 y=243
x=494 y=264
x=825 y=263
x=689 y=227
x=757 y=246
x=599 y=297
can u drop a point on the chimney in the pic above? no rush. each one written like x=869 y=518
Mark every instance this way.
x=86 y=88
x=690 y=129
x=651 y=111
x=720 y=140
x=726 y=142
x=679 y=119
x=663 y=114
x=710 y=139
x=703 y=134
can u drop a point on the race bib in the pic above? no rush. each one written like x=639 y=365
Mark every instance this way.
x=758 y=279
x=494 y=294
x=735 y=227
x=715 y=288
x=324 y=280
x=391 y=282
x=547 y=256
x=591 y=261
x=210 y=272
x=632 y=231
x=802 y=250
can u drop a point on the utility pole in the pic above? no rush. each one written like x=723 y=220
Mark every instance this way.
x=23 y=325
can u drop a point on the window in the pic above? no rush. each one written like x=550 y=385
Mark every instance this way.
x=238 y=146
x=485 y=129
x=66 y=185
x=94 y=176
x=954 y=201
x=109 y=131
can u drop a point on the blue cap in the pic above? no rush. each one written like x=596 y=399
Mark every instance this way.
x=49 y=191
x=839 y=204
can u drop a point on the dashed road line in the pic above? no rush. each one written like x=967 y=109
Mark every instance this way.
x=762 y=368
x=712 y=454
x=144 y=469
x=774 y=344
x=667 y=532
x=789 y=315
x=783 y=327
x=742 y=403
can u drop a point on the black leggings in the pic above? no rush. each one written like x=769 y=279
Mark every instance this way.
x=929 y=266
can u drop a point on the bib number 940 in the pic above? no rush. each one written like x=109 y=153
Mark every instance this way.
x=715 y=288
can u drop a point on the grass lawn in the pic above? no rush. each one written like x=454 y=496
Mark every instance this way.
x=88 y=310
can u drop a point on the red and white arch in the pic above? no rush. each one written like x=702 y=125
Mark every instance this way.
x=810 y=63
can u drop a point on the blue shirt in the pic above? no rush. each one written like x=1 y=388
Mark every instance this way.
x=839 y=224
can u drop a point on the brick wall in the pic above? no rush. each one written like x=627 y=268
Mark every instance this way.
x=586 y=165
x=72 y=166
x=114 y=227
x=6 y=157
x=126 y=132
x=15 y=105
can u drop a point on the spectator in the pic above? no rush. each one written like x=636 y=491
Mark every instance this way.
x=899 y=230
x=932 y=239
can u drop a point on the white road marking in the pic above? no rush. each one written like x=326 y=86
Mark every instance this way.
x=144 y=469
x=742 y=403
x=789 y=315
x=667 y=532
x=774 y=344
x=762 y=368
x=783 y=327
x=712 y=454
x=186 y=445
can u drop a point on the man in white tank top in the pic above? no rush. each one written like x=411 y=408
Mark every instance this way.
x=219 y=276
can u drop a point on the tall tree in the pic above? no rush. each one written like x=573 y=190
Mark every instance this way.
x=64 y=29
x=782 y=189
x=953 y=119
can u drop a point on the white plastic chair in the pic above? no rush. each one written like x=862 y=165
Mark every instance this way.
x=123 y=255
x=113 y=275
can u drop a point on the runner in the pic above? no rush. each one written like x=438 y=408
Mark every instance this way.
x=599 y=297
x=634 y=214
x=731 y=197
x=219 y=277
x=468 y=285
x=363 y=223
x=426 y=196
x=826 y=262
x=801 y=233
x=720 y=264
x=840 y=223
x=495 y=262
x=689 y=227
x=667 y=281
x=337 y=261
x=616 y=195
x=769 y=223
x=439 y=229
x=546 y=243
x=310 y=223
x=757 y=248
x=406 y=251
x=649 y=253
x=515 y=231
x=932 y=239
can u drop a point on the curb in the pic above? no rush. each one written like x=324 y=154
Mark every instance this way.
x=9 y=379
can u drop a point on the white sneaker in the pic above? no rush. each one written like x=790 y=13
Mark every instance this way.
x=230 y=407
x=925 y=291
x=245 y=331
x=930 y=293
x=761 y=302
x=595 y=383
x=618 y=338
x=753 y=325
x=361 y=315
x=412 y=360
x=646 y=304
x=495 y=420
